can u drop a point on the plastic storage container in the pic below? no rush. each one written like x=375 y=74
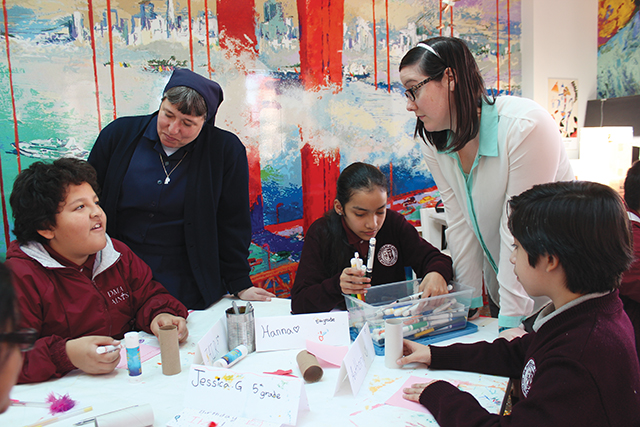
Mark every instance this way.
x=421 y=317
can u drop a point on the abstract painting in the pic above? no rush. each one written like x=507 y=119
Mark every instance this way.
x=563 y=106
x=310 y=86
x=618 y=48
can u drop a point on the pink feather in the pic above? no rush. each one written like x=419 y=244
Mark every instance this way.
x=60 y=403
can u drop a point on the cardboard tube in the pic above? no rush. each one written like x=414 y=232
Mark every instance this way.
x=392 y=342
x=308 y=364
x=169 y=349
x=135 y=416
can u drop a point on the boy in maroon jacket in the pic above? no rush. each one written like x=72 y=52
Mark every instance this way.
x=579 y=366
x=630 y=288
x=76 y=287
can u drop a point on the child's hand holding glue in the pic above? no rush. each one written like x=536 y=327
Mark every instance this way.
x=352 y=279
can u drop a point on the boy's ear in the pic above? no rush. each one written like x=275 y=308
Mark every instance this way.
x=552 y=262
x=47 y=234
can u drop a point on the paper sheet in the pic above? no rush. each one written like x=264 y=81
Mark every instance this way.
x=329 y=353
x=399 y=401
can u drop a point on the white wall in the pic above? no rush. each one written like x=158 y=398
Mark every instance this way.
x=560 y=40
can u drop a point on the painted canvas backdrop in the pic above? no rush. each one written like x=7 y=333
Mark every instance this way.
x=618 y=48
x=310 y=87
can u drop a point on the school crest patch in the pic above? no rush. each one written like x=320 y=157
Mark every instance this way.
x=528 y=373
x=388 y=255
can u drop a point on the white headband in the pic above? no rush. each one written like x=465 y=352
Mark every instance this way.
x=429 y=48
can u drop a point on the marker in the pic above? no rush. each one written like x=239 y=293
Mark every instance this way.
x=15 y=402
x=107 y=348
x=370 y=256
x=444 y=306
x=412 y=311
x=456 y=323
x=415 y=326
x=391 y=311
x=410 y=297
x=423 y=333
x=61 y=417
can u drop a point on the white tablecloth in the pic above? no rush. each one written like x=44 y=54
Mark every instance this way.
x=166 y=393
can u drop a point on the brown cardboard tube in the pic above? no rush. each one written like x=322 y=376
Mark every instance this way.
x=169 y=349
x=308 y=364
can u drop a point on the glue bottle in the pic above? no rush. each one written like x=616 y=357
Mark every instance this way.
x=356 y=261
x=133 y=356
x=233 y=357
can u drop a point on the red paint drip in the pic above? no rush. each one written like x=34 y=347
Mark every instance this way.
x=13 y=101
x=320 y=171
x=321 y=43
x=112 y=65
x=206 y=23
x=212 y=424
x=451 y=23
x=440 y=22
x=509 y=43
x=237 y=27
x=391 y=179
x=386 y=7
x=190 y=35
x=5 y=219
x=375 y=46
x=498 y=47
x=95 y=66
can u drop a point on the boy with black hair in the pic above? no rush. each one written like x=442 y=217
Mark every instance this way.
x=579 y=366
x=75 y=286
x=630 y=288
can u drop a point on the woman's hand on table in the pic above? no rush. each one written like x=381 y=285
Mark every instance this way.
x=352 y=281
x=255 y=294
x=414 y=352
x=166 y=319
x=82 y=353
x=433 y=285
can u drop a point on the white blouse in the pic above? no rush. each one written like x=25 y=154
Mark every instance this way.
x=519 y=146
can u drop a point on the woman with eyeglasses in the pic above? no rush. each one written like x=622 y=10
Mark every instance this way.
x=12 y=340
x=480 y=151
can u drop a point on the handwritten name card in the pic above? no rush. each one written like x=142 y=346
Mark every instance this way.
x=199 y=418
x=287 y=332
x=212 y=345
x=357 y=361
x=269 y=398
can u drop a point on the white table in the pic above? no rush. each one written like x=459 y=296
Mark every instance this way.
x=165 y=393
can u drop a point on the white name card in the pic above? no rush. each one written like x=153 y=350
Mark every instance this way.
x=287 y=332
x=212 y=345
x=357 y=362
x=271 y=398
x=200 y=418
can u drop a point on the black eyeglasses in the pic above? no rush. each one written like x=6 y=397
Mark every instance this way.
x=411 y=92
x=25 y=338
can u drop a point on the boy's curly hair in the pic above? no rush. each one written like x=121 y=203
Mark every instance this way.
x=38 y=192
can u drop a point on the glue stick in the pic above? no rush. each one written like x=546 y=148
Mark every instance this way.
x=133 y=356
x=233 y=357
